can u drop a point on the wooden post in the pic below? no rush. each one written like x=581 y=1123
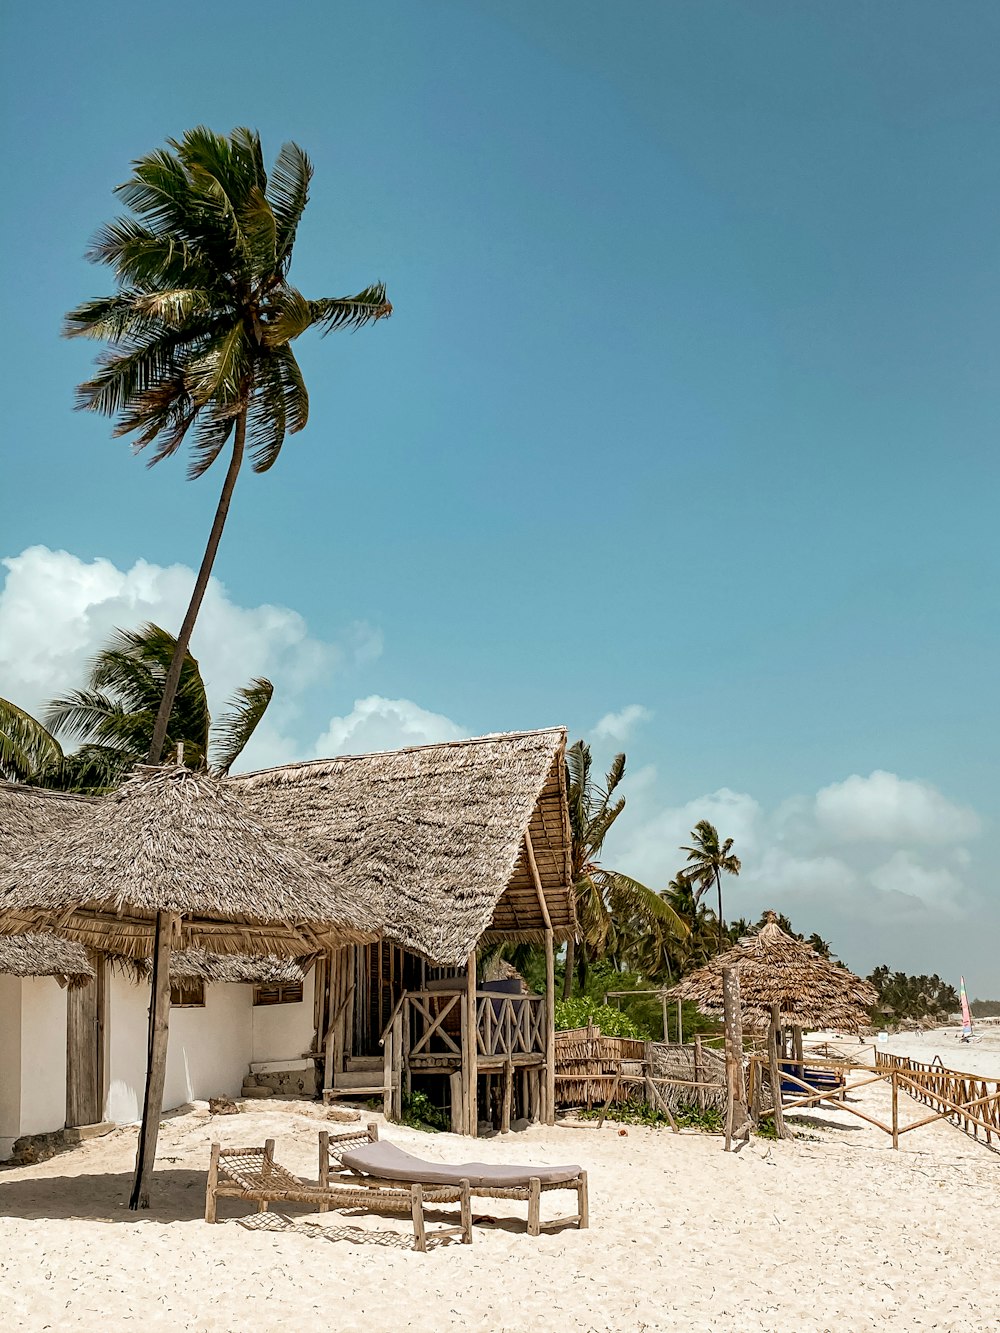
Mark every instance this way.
x=663 y=1002
x=457 y=1106
x=156 y=1059
x=680 y=1023
x=550 y=1030
x=470 y=1051
x=774 y=1070
x=698 y=1067
x=549 y=1112
x=737 y=1116
x=508 y=1096
x=895 y=1110
x=797 y=1054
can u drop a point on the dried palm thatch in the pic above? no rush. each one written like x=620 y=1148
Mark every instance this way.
x=175 y=841
x=436 y=835
x=29 y=816
x=45 y=956
x=810 y=991
x=215 y=968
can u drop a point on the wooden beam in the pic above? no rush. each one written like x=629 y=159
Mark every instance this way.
x=549 y=1108
x=774 y=1070
x=156 y=1063
x=737 y=1115
x=470 y=1051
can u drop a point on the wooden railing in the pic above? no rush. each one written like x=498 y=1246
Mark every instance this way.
x=966 y=1100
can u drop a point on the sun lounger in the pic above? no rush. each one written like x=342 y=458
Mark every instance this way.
x=253 y=1174
x=384 y=1165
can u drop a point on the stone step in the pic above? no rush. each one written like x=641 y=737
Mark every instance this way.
x=255 y=1090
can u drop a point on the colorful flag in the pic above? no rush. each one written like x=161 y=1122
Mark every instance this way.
x=966 y=1016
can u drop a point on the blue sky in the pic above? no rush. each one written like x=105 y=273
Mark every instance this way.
x=689 y=403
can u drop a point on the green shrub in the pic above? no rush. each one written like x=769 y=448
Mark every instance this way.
x=419 y=1112
x=584 y=1009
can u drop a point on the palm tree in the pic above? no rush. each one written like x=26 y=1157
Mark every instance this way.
x=115 y=712
x=199 y=332
x=606 y=900
x=708 y=859
x=25 y=745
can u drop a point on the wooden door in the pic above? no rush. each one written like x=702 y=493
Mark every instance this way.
x=85 y=1049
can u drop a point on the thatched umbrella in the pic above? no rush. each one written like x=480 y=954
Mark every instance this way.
x=174 y=859
x=45 y=956
x=809 y=990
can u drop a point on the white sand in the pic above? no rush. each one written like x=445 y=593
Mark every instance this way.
x=833 y=1232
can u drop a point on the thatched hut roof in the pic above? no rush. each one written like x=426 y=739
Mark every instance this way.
x=171 y=840
x=199 y=965
x=44 y=956
x=436 y=833
x=31 y=815
x=811 y=991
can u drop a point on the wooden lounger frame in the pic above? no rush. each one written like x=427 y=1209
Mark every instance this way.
x=333 y=1146
x=253 y=1174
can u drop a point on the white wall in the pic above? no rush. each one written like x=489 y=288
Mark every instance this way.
x=284 y=1031
x=43 y=1050
x=208 y=1050
x=32 y=1058
x=10 y=1063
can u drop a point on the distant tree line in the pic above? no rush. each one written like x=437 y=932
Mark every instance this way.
x=901 y=996
x=985 y=1008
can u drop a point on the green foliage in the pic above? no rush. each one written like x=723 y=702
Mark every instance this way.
x=198 y=333
x=902 y=996
x=25 y=745
x=580 y=1010
x=114 y=713
x=688 y=1115
x=985 y=1008
x=419 y=1112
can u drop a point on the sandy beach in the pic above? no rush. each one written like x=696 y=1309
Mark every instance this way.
x=831 y=1230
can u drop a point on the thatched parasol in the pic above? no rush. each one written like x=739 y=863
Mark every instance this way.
x=773 y=968
x=174 y=858
x=45 y=956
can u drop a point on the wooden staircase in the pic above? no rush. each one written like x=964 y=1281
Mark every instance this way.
x=362 y=1080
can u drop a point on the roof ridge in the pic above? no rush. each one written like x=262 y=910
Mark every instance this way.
x=405 y=749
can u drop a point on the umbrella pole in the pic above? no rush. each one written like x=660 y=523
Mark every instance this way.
x=156 y=1060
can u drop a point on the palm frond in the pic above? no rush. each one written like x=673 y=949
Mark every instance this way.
x=288 y=193
x=238 y=723
x=351 y=312
x=25 y=744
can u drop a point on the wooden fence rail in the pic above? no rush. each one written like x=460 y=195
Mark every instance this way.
x=966 y=1100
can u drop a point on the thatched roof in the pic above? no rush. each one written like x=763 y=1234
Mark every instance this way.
x=199 y=965
x=31 y=815
x=44 y=956
x=811 y=991
x=436 y=833
x=171 y=840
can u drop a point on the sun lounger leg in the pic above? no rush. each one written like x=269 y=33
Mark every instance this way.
x=583 y=1201
x=466 y=1214
x=419 y=1233
x=534 y=1206
x=213 y=1181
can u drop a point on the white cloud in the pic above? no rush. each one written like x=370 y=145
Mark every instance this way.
x=814 y=855
x=889 y=809
x=385 y=724
x=57 y=610
x=617 y=727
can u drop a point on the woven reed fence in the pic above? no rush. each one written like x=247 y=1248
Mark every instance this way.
x=971 y=1102
x=592 y=1068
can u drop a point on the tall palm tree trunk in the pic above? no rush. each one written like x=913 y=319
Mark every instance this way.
x=198 y=595
x=722 y=924
x=159 y=998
